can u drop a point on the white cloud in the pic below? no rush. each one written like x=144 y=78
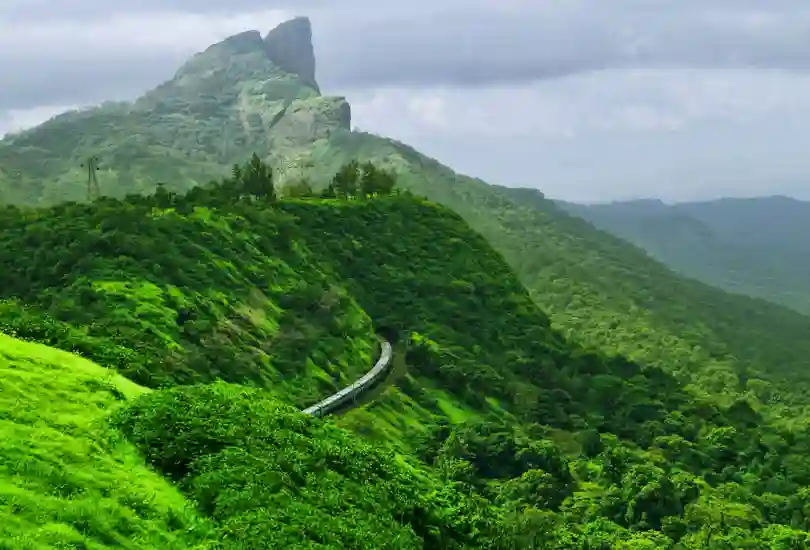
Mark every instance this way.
x=677 y=134
x=616 y=100
x=429 y=110
x=360 y=43
x=15 y=120
x=72 y=60
x=164 y=31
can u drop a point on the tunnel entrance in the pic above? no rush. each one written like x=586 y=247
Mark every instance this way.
x=393 y=334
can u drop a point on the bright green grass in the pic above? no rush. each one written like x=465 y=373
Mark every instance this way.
x=66 y=480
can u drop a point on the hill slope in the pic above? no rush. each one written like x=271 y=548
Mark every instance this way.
x=614 y=295
x=69 y=479
x=502 y=434
x=65 y=479
x=758 y=247
x=233 y=99
x=185 y=297
x=608 y=294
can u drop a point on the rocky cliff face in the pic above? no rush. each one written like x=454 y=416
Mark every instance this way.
x=282 y=64
x=289 y=46
x=266 y=87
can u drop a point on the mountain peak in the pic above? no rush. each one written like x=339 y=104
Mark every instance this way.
x=244 y=42
x=289 y=46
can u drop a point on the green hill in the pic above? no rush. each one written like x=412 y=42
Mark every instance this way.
x=638 y=411
x=65 y=478
x=501 y=434
x=221 y=105
x=234 y=99
x=613 y=296
x=283 y=480
x=172 y=297
x=753 y=246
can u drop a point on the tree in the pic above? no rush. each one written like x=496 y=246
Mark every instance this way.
x=360 y=180
x=345 y=183
x=376 y=181
x=255 y=178
x=163 y=197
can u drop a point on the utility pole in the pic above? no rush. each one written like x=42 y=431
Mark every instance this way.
x=224 y=141
x=93 y=191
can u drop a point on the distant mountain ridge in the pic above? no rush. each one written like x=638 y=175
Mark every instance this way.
x=755 y=246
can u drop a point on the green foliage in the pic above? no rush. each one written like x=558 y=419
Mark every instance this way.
x=479 y=335
x=615 y=298
x=255 y=179
x=354 y=180
x=609 y=295
x=67 y=481
x=230 y=101
x=298 y=189
x=169 y=291
x=284 y=480
x=548 y=444
x=636 y=414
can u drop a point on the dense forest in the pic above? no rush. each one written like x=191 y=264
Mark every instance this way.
x=230 y=305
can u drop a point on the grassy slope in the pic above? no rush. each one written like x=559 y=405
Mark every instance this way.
x=68 y=478
x=82 y=328
x=65 y=479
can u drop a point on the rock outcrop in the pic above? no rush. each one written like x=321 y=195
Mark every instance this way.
x=289 y=47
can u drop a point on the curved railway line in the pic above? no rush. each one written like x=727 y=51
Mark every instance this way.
x=363 y=384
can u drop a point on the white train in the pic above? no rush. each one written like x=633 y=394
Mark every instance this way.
x=350 y=393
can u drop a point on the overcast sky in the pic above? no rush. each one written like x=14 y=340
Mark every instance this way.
x=584 y=99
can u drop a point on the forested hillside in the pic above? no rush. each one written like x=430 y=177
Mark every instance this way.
x=611 y=294
x=233 y=100
x=758 y=246
x=502 y=433
x=633 y=409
